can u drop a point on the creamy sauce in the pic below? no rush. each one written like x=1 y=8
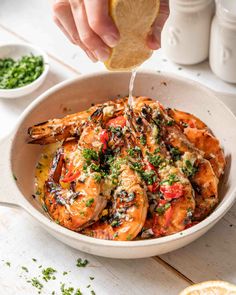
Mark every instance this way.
x=131 y=87
x=42 y=169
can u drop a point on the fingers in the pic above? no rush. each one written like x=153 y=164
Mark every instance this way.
x=63 y=14
x=61 y=27
x=87 y=36
x=100 y=21
x=63 y=18
x=88 y=24
x=154 y=38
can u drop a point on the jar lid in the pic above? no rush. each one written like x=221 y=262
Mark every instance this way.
x=227 y=10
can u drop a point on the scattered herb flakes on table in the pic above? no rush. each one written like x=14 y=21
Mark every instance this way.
x=82 y=263
x=47 y=274
x=19 y=73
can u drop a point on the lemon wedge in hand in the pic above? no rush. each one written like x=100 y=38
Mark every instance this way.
x=133 y=19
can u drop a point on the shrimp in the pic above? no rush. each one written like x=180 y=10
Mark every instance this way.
x=184 y=119
x=128 y=203
x=72 y=125
x=174 y=193
x=128 y=208
x=207 y=143
x=201 y=137
x=205 y=184
x=72 y=196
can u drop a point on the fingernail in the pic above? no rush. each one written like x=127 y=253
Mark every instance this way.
x=91 y=56
x=102 y=54
x=110 y=40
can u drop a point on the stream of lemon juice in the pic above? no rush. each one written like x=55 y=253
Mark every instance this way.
x=131 y=87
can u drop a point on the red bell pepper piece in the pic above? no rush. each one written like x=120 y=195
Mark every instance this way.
x=71 y=177
x=104 y=137
x=153 y=187
x=173 y=191
x=119 y=121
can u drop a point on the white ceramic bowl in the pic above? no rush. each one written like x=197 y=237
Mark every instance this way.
x=16 y=51
x=19 y=158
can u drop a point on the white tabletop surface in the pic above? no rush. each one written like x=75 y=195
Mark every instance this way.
x=21 y=239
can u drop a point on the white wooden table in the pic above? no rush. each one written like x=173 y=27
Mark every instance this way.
x=211 y=257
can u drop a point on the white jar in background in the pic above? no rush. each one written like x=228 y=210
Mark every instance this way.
x=223 y=41
x=186 y=34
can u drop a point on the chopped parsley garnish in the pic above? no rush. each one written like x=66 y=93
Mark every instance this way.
x=149 y=177
x=133 y=152
x=95 y=167
x=8 y=263
x=116 y=131
x=137 y=166
x=36 y=283
x=170 y=123
x=184 y=124
x=175 y=153
x=34 y=259
x=115 y=170
x=90 y=202
x=68 y=291
x=82 y=263
x=65 y=273
x=48 y=274
x=143 y=140
x=155 y=160
x=18 y=73
x=115 y=223
x=25 y=268
x=93 y=293
x=189 y=169
x=91 y=278
x=172 y=178
x=157 y=150
x=97 y=177
x=15 y=178
x=162 y=209
x=90 y=155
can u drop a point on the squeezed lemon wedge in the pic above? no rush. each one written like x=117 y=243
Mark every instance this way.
x=133 y=19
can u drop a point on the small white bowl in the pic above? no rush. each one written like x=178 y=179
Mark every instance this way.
x=16 y=51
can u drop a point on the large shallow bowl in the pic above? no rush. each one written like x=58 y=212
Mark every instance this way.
x=18 y=158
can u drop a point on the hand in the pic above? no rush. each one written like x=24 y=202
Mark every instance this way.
x=87 y=24
x=154 y=39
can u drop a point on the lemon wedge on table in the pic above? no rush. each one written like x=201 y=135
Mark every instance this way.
x=210 y=288
x=133 y=19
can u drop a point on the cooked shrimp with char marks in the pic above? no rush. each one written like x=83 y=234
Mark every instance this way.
x=174 y=194
x=71 y=126
x=73 y=198
x=125 y=173
x=125 y=217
